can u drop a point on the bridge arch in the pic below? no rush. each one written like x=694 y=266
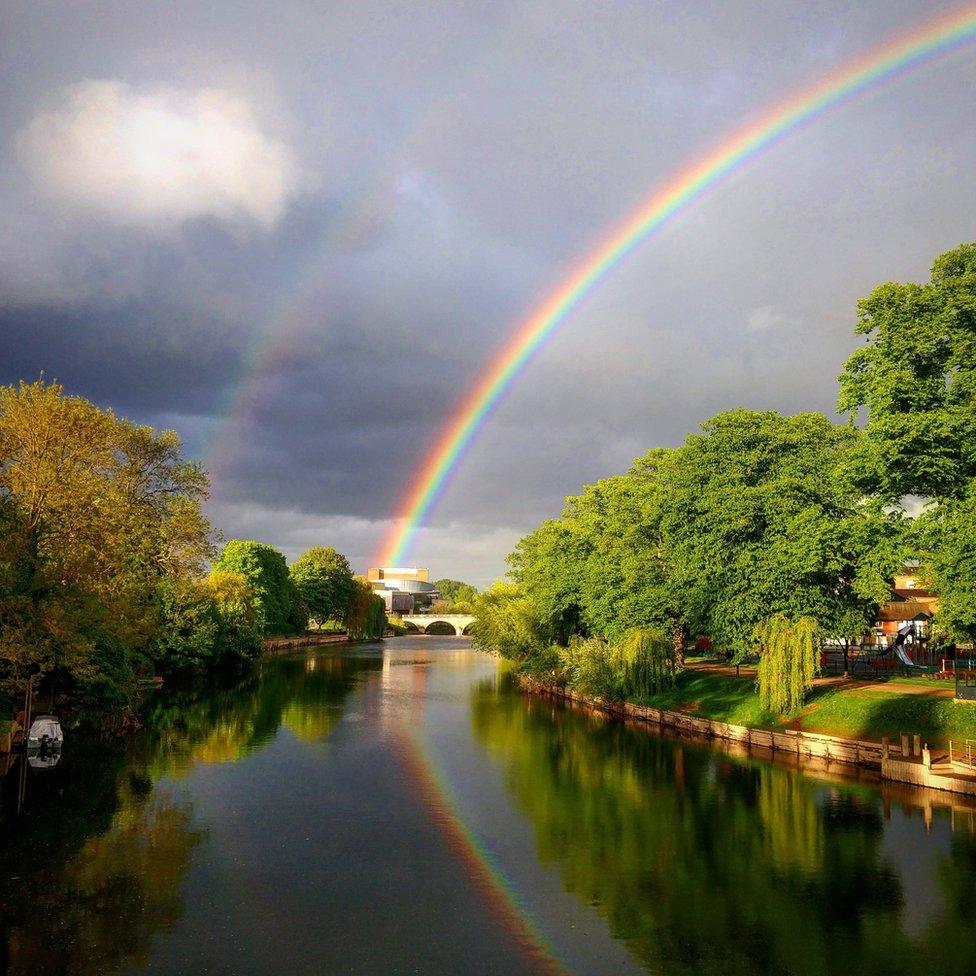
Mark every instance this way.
x=441 y=627
x=448 y=624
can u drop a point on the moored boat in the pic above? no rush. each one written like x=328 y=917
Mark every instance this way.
x=45 y=733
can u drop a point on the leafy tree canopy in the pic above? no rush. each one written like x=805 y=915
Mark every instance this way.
x=278 y=602
x=747 y=518
x=915 y=379
x=325 y=582
x=95 y=511
x=456 y=597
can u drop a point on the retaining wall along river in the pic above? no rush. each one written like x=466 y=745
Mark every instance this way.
x=906 y=762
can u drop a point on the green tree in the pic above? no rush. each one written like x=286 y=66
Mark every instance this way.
x=915 y=378
x=457 y=597
x=915 y=381
x=789 y=659
x=238 y=638
x=757 y=521
x=548 y=566
x=187 y=634
x=96 y=512
x=325 y=582
x=366 y=612
x=508 y=622
x=278 y=602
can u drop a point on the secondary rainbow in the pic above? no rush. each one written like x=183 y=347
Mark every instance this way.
x=935 y=39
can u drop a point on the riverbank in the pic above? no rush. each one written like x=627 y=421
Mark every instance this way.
x=904 y=757
x=285 y=645
x=840 y=707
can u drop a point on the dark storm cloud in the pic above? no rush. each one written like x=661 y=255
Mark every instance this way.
x=398 y=185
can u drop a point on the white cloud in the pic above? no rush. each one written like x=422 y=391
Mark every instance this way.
x=766 y=317
x=158 y=156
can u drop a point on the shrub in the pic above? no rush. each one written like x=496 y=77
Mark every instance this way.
x=650 y=663
x=788 y=662
x=593 y=667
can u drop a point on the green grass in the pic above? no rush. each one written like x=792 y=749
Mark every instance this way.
x=871 y=715
x=722 y=697
x=843 y=712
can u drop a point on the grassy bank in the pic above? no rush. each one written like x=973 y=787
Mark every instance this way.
x=850 y=712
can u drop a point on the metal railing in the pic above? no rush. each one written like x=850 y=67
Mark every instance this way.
x=963 y=753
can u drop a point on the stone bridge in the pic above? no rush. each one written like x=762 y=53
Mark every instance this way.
x=422 y=621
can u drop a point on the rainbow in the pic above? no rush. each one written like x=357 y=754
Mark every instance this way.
x=935 y=39
x=504 y=901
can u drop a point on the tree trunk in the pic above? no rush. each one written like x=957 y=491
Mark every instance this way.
x=679 y=645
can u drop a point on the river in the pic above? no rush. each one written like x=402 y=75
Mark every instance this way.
x=399 y=808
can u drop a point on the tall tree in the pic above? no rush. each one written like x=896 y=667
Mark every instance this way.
x=96 y=512
x=915 y=382
x=325 y=582
x=915 y=379
x=756 y=521
x=281 y=608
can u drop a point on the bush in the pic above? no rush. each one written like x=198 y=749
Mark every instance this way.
x=788 y=661
x=507 y=622
x=213 y=623
x=593 y=667
x=395 y=622
x=650 y=663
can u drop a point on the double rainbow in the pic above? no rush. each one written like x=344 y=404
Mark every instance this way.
x=936 y=39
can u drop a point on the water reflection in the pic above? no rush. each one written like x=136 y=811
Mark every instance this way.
x=702 y=863
x=428 y=818
x=91 y=867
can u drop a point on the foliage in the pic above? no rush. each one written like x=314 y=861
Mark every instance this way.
x=456 y=597
x=916 y=380
x=324 y=581
x=789 y=659
x=277 y=600
x=649 y=663
x=749 y=517
x=593 y=667
x=396 y=623
x=757 y=521
x=95 y=512
x=207 y=624
x=238 y=637
x=366 y=616
x=948 y=534
x=187 y=634
x=507 y=622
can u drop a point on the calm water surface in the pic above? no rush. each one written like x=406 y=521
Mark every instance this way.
x=398 y=808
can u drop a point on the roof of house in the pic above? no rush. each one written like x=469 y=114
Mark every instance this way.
x=904 y=610
x=905 y=594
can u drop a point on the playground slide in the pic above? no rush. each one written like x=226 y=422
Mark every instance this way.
x=904 y=658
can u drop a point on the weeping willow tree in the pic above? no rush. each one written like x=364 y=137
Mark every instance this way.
x=788 y=661
x=650 y=663
x=366 y=612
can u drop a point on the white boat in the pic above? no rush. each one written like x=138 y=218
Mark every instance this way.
x=45 y=733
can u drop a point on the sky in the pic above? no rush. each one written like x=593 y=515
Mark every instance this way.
x=297 y=232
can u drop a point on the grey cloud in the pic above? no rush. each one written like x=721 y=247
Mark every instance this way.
x=457 y=159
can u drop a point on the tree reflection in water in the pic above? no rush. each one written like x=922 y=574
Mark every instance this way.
x=704 y=864
x=92 y=868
